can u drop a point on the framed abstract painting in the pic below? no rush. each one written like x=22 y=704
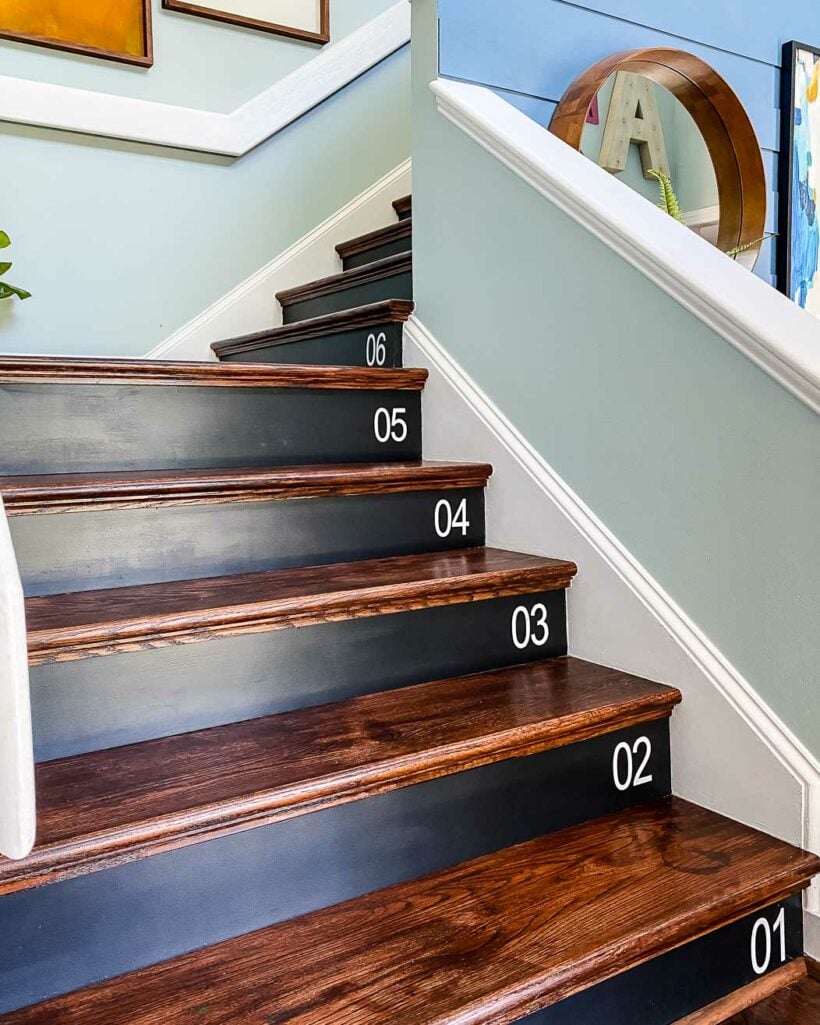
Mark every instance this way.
x=308 y=20
x=117 y=30
x=799 y=234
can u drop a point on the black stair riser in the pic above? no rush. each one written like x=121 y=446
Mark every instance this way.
x=131 y=916
x=86 y=428
x=111 y=700
x=398 y=286
x=77 y=551
x=672 y=986
x=359 y=348
x=379 y=252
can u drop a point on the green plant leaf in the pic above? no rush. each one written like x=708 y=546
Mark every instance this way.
x=7 y=291
x=750 y=245
x=669 y=201
x=5 y=241
x=5 y=268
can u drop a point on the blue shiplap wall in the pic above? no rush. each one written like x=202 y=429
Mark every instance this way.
x=529 y=51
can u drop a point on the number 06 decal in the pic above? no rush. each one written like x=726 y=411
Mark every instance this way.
x=629 y=763
x=376 y=349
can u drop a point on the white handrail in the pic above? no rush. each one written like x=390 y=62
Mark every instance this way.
x=17 y=802
x=764 y=325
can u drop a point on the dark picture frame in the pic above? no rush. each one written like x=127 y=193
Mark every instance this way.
x=214 y=14
x=786 y=166
x=144 y=60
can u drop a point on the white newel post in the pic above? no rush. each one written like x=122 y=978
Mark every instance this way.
x=17 y=803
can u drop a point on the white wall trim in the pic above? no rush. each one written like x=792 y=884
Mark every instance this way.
x=777 y=738
x=17 y=803
x=251 y=305
x=45 y=105
x=764 y=325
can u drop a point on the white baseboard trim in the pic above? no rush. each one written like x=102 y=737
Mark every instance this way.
x=251 y=305
x=769 y=329
x=709 y=662
x=45 y=105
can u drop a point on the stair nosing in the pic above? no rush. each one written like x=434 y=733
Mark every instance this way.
x=67 y=370
x=373 y=239
x=68 y=643
x=390 y=311
x=389 y=267
x=102 y=849
x=27 y=495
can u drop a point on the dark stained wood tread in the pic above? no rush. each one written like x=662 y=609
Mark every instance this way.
x=66 y=492
x=108 y=807
x=485 y=942
x=391 y=311
x=403 y=206
x=389 y=267
x=380 y=237
x=76 y=625
x=796 y=1004
x=723 y=1010
x=63 y=370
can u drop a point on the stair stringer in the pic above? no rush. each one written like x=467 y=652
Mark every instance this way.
x=730 y=752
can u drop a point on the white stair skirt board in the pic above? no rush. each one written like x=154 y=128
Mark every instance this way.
x=162 y=124
x=17 y=805
x=763 y=324
x=252 y=306
x=730 y=751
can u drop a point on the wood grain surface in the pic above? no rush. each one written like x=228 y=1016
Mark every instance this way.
x=481 y=944
x=378 y=271
x=380 y=237
x=112 y=806
x=796 y=1004
x=722 y=1011
x=63 y=492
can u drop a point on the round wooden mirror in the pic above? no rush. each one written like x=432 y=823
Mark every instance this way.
x=630 y=80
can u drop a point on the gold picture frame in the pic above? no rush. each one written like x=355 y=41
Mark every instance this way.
x=218 y=13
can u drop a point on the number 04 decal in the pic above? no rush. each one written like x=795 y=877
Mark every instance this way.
x=446 y=521
x=390 y=425
x=629 y=763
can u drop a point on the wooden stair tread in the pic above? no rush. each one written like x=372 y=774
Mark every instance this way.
x=78 y=624
x=395 y=311
x=379 y=237
x=490 y=940
x=121 y=489
x=796 y=1004
x=63 y=370
x=403 y=206
x=103 y=808
x=376 y=271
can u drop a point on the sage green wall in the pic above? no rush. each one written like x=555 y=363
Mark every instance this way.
x=122 y=244
x=703 y=466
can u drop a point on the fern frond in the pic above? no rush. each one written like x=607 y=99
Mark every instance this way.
x=750 y=245
x=668 y=200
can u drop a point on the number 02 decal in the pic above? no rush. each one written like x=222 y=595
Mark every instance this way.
x=530 y=626
x=376 y=350
x=446 y=521
x=763 y=936
x=629 y=763
x=390 y=425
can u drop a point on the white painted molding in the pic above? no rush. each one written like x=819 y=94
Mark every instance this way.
x=17 y=803
x=764 y=325
x=774 y=735
x=251 y=305
x=45 y=105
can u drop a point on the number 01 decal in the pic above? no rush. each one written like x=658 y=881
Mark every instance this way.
x=763 y=942
x=629 y=763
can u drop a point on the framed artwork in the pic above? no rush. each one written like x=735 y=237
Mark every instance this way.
x=300 y=19
x=117 y=30
x=799 y=235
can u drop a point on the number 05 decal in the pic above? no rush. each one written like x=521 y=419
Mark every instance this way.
x=390 y=425
x=629 y=763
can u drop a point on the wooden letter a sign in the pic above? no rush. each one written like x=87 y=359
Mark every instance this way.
x=633 y=118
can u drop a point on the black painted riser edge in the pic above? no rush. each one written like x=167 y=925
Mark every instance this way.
x=378 y=346
x=68 y=935
x=51 y=428
x=400 y=245
x=77 y=551
x=399 y=286
x=677 y=984
x=108 y=701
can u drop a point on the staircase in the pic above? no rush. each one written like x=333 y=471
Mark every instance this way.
x=308 y=751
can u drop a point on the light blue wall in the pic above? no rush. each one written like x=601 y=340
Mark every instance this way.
x=529 y=51
x=122 y=244
x=701 y=464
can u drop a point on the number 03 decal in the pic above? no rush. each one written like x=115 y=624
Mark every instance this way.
x=530 y=626
x=629 y=763
x=390 y=425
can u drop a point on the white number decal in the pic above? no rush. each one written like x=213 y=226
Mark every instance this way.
x=447 y=521
x=390 y=425
x=376 y=350
x=624 y=760
x=530 y=626
x=762 y=935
